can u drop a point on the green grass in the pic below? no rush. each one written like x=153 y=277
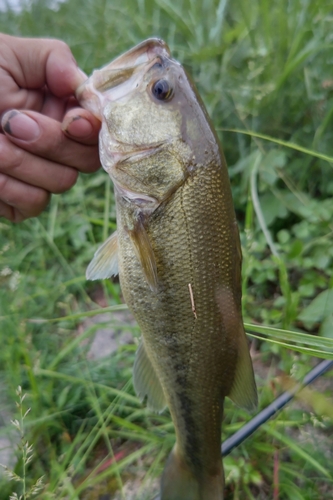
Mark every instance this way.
x=265 y=75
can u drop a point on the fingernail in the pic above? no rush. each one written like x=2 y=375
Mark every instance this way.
x=78 y=127
x=20 y=126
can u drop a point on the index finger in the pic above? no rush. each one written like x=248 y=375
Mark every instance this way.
x=33 y=63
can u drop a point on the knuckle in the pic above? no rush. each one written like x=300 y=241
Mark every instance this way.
x=67 y=178
x=63 y=49
x=4 y=179
x=8 y=211
x=17 y=216
x=11 y=157
x=20 y=204
x=38 y=201
x=60 y=45
x=14 y=215
x=10 y=214
x=91 y=162
x=94 y=166
x=63 y=46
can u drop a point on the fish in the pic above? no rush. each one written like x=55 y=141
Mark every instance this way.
x=178 y=255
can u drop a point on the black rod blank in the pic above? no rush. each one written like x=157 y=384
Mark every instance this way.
x=274 y=407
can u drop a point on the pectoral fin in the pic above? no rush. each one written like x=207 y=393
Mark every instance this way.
x=145 y=253
x=146 y=382
x=105 y=261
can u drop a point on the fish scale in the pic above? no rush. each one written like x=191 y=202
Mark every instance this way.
x=177 y=251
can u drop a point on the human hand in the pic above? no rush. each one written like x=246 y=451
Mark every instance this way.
x=46 y=142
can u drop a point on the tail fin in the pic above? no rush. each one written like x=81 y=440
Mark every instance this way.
x=180 y=483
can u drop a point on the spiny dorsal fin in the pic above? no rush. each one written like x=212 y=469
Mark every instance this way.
x=145 y=253
x=105 y=261
x=146 y=382
x=243 y=391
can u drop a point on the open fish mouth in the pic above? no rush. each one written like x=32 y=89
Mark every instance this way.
x=119 y=77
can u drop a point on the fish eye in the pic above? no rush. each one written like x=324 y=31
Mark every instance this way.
x=162 y=90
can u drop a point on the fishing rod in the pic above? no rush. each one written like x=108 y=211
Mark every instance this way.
x=229 y=444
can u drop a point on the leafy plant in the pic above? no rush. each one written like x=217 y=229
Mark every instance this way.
x=264 y=74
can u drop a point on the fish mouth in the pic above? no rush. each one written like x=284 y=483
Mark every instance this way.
x=117 y=78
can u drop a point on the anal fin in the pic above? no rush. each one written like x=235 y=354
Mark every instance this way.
x=104 y=264
x=146 y=382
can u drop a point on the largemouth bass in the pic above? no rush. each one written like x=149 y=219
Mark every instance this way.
x=178 y=255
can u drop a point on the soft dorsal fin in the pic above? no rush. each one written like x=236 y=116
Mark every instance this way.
x=145 y=253
x=146 y=382
x=243 y=391
x=105 y=261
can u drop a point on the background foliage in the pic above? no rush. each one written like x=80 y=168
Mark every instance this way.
x=262 y=70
